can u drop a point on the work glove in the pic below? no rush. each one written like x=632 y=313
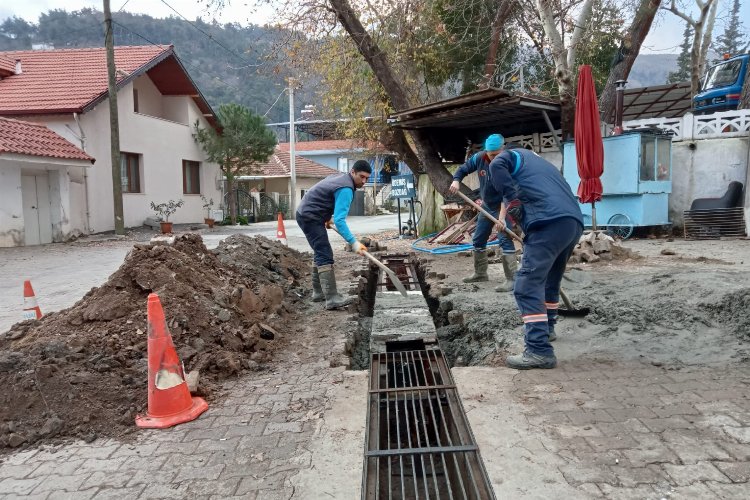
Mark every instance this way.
x=515 y=211
x=359 y=248
x=329 y=223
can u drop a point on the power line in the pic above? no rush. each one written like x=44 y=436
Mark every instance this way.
x=211 y=37
x=274 y=103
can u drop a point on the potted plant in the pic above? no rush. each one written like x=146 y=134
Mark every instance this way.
x=164 y=210
x=207 y=204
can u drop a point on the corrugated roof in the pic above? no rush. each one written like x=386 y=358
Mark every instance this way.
x=658 y=101
x=279 y=166
x=34 y=139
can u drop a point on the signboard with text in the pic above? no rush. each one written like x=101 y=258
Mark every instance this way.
x=402 y=186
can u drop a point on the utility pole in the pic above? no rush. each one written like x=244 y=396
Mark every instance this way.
x=292 y=153
x=114 y=127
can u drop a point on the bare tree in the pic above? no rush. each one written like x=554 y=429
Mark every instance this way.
x=703 y=28
x=630 y=47
x=564 y=56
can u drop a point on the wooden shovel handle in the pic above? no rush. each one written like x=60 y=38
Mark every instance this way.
x=490 y=217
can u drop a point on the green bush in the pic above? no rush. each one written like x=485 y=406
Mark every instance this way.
x=241 y=220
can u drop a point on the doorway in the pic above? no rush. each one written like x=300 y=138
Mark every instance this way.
x=36 y=209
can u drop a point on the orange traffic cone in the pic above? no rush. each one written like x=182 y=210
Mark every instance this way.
x=169 y=400
x=31 y=309
x=280 y=231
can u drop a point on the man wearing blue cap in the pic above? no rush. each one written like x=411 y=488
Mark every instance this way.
x=325 y=204
x=552 y=224
x=491 y=201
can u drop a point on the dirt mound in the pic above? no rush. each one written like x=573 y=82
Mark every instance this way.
x=82 y=371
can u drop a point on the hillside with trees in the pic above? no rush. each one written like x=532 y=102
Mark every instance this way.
x=229 y=63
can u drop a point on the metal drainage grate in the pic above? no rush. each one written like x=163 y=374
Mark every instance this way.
x=404 y=269
x=419 y=443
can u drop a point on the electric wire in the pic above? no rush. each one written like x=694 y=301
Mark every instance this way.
x=213 y=39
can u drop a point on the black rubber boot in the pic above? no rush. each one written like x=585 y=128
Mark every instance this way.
x=318 y=295
x=328 y=284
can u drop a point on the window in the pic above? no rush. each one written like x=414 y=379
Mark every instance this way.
x=343 y=164
x=130 y=170
x=191 y=179
x=648 y=158
x=135 y=100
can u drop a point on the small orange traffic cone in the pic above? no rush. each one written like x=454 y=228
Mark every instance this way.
x=31 y=309
x=280 y=231
x=169 y=400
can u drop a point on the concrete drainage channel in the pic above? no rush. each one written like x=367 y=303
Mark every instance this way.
x=418 y=440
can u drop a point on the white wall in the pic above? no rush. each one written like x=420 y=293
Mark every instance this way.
x=11 y=206
x=705 y=171
x=150 y=100
x=162 y=144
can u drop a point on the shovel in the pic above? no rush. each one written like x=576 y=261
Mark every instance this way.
x=570 y=310
x=387 y=270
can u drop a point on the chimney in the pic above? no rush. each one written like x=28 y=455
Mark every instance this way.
x=619 y=105
x=18 y=67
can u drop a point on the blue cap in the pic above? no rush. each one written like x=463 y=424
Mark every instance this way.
x=494 y=142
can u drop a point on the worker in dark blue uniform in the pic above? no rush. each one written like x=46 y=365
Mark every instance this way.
x=327 y=203
x=491 y=202
x=552 y=223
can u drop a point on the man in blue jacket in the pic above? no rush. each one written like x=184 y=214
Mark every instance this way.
x=330 y=198
x=491 y=201
x=552 y=223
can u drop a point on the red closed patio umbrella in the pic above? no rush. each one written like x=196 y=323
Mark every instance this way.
x=588 y=141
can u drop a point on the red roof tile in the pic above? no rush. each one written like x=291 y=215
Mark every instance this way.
x=66 y=80
x=335 y=145
x=7 y=66
x=278 y=166
x=35 y=139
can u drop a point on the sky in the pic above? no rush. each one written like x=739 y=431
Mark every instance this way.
x=665 y=36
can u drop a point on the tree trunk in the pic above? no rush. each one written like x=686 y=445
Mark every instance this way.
x=630 y=46
x=564 y=60
x=708 y=31
x=231 y=186
x=504 y=10
x=376 y=59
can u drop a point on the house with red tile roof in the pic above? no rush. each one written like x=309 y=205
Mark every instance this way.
x=158 y=105
x=34 y=206
x=340 y=154
x=274 y=177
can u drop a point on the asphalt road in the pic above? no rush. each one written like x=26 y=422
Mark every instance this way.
x=61 y=273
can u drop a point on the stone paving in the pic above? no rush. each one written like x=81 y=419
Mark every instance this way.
x=612 y=429
x=247 y=446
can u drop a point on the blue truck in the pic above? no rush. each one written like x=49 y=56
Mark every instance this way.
x=722 y=85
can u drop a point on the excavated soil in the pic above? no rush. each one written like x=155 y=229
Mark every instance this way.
x=82 y=372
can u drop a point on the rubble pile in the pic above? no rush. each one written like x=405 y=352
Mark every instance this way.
x=597 y=246
x=82 y=371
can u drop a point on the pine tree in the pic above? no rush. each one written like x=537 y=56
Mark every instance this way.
x=683 y=60
x=733 y=39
